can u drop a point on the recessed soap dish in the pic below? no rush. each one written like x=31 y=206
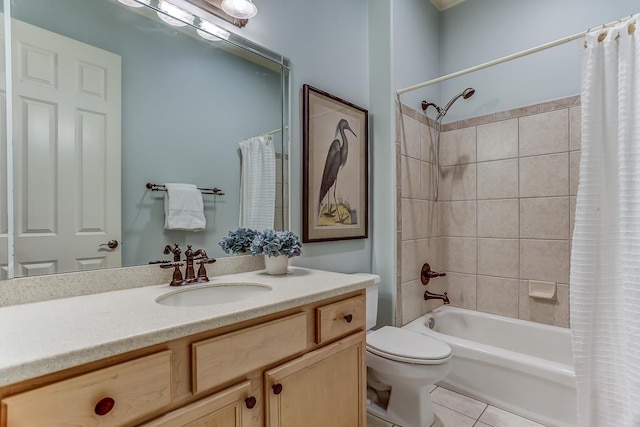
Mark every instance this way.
x=542 y=290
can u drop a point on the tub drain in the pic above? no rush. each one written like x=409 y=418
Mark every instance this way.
x=432 y=322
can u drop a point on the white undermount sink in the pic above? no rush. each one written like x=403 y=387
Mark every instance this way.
x=213 y=294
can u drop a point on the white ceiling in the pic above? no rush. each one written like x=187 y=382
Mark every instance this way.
x=445 y=4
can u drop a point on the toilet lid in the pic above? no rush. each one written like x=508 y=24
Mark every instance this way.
x=407 y=346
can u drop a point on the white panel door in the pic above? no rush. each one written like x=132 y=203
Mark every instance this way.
x=67 y=113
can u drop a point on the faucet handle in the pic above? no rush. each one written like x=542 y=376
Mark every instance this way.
x=202 y=271
x=427 y=274
x=177 y=279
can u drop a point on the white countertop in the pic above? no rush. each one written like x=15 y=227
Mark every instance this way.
x=48 y=336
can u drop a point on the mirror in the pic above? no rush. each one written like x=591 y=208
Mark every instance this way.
x=86 y=73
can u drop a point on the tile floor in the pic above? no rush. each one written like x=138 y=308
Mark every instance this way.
x=455 y=410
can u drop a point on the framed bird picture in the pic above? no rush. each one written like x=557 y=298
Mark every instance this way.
x=335 y=190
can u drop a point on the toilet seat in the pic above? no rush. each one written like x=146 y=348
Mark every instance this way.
x=407 y=346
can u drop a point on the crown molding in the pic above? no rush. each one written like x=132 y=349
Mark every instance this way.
x=445 y=4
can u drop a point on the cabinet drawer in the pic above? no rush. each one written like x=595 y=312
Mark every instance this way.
x=137 y=388
x=232 y=355
x=340 y=318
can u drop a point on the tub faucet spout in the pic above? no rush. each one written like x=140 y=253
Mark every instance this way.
x=430 y=295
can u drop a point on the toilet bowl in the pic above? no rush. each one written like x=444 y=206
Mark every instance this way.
x=403 y=365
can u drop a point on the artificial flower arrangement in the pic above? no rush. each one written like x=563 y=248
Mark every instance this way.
x=238 y=241
x=274 y=243
x=268 y=242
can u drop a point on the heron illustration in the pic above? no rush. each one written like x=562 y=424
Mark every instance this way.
x=336 y=159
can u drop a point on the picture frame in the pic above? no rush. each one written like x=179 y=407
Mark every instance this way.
x=335 y=189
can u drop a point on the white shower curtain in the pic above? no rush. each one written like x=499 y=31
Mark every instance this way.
x=605 y=257
x=258 y=183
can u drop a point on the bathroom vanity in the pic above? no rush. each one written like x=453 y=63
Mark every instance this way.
x=291 y=357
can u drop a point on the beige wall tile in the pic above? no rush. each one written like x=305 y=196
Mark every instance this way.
x=552 y=312
x=544 y=133
x=458 y=182
x=399 y=208
x=398 y=300
x=399 y=165
x=412 y=297
x=410 y=137
x=498 y=179
x=544 y=218
x=458 y=147
x=572 y=214
x=410 y=262
x=428 y=253
x=498 y=257
x=518 y=112
x=546 y=260
x=460 y=288
x=498 y=218
x=427 y=181
x=575 y=131
x=498 y=140
x=410 y=177
x=427 y=143
x=542 y=176
x=498 y=295
x=430 y=211
x=413 y=219
x=457 y=254
x=457 y=219
x=574 y=172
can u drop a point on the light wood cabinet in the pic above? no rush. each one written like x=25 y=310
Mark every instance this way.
x=323 y=388
x=228 y=408
x=220 y=378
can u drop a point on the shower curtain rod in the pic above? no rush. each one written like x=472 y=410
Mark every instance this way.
x=506 y=58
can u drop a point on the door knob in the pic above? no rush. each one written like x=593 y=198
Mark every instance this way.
x=111 y=244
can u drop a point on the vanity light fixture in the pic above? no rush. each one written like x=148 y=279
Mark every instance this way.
x=212 y=32
x=134 y=3
x=173 y=15
x=241 y=9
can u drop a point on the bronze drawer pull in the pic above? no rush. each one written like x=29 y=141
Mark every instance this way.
x=104 y=406
x=250 y=402
x=348 y=317
x=277 y=388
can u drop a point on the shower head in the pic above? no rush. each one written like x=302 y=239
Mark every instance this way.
x=465 y=94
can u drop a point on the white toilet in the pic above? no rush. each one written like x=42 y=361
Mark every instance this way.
x=402 y=365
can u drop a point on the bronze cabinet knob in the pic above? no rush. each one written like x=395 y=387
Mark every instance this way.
x=277 y=388
x=250 y=402
x=104 y=406
x=348 y=317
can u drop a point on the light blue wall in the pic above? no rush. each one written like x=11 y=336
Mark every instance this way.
x=478 y=31
x=416 y=49
x=327 y=43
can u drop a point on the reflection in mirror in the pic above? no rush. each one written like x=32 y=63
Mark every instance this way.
x=108 y=98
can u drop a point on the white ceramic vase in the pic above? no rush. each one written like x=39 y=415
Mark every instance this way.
x=276 y=264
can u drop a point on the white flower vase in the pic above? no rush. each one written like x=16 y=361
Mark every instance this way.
x=276 y=264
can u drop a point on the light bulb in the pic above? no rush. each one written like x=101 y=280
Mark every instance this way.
x=173 y=15
x=241 y=9
x=212 y=32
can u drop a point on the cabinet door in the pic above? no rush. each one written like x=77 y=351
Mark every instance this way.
x=326 y=387
x=230 y=408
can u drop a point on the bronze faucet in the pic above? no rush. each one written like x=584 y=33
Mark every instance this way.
x=190 y=257
x=430 y=295
x=427 y=274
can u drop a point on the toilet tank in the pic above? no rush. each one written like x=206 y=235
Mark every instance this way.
x=372 y=299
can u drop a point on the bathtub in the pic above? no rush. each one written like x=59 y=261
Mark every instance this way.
x=522 y=367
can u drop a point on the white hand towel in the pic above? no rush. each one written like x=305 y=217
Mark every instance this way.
x=183 y=208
